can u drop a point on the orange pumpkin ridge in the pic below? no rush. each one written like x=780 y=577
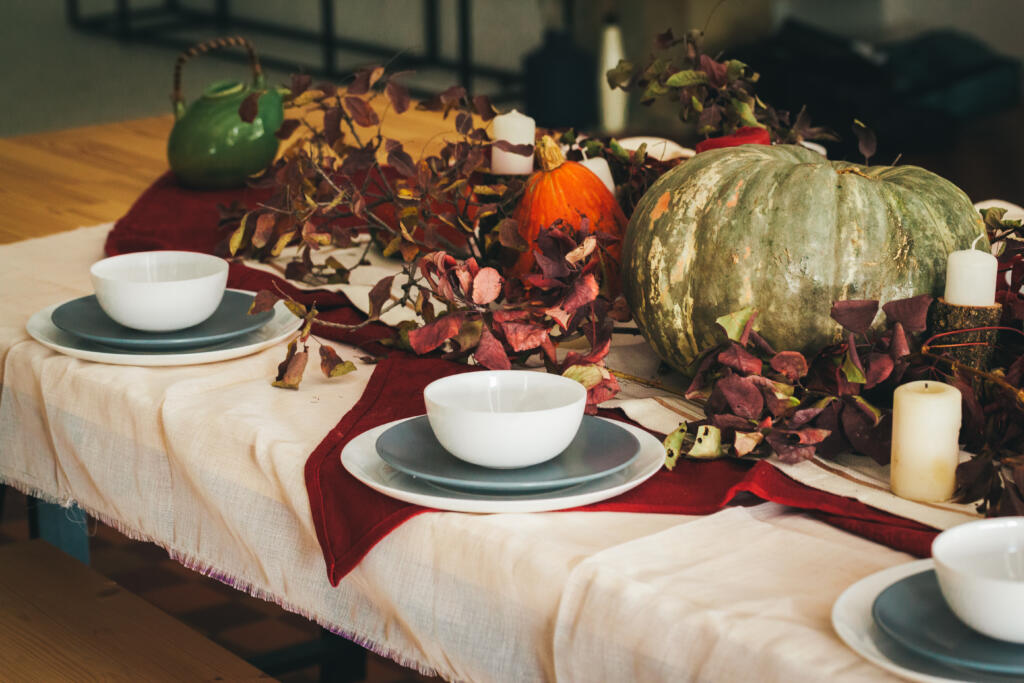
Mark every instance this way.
x=568 y=191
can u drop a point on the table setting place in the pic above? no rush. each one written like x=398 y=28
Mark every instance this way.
x=532 y=320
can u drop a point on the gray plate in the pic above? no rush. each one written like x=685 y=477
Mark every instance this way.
x=85 y=319
x=913 y=612
x=599 y=449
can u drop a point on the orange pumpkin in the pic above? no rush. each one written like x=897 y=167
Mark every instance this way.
x=569 y=191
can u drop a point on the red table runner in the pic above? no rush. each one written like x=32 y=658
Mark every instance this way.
x=351 y=518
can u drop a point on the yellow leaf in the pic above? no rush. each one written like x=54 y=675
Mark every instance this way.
x=282 y=242
x=238 y=236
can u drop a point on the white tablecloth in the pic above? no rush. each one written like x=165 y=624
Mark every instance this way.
x=207 y=462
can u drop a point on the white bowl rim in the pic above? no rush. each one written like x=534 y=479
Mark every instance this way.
x=222 y=265
x=939 y=546
x=465 y=376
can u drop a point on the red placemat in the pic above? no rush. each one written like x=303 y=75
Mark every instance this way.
x=167 y=216
x=350 y=518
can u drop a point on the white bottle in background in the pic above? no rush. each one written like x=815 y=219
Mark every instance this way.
x=613 y=103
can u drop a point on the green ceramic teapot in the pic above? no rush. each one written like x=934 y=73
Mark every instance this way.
x=210 y=146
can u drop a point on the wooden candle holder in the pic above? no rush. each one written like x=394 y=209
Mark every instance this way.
x=947 y=317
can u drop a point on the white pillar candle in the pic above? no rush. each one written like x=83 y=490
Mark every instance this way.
x=925 y=441
x=517 y=129
x=971 y=278
x=602 y=170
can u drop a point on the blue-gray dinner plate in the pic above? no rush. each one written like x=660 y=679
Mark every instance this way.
x=913 y=612
x=84 y=318
x=599 y=449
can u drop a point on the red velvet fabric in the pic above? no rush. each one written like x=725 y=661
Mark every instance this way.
x=747 y=135
x=349 y=517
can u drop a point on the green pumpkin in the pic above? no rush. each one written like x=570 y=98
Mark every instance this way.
x=784 y=231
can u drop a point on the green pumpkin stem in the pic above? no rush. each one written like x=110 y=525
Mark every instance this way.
x=549 y=153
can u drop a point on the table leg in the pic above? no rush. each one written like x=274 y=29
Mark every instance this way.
x=63 y=527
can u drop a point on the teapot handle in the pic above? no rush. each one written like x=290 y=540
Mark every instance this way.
x=178 y=98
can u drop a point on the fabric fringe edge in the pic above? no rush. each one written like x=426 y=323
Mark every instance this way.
x=206 y=569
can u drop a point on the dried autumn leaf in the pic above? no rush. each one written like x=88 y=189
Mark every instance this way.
x=856 y=315
x=263 y=302
x=745 y=442
x=289 y=372
x=264 y=229
x=742 y=395
x=707 y=444
x=249 y=107
x=299 y=84
x=380 y=294
x=398 y=95
x=734 y=323
x=362 y=113
x=738 y=358
x=486 y=286
x=674 y=444
x=483 y=107
x=297 y=309
x=288 y=126
x=238 y=236
x=521 y=150
x=331 y=363
x=508 y=235
x=792 y=364
x=490 y=353
x=523 y=336
x=429 y=337
x=400 y=160
x=911 y=313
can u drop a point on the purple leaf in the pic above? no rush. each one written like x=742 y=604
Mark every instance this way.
x=865 y=436
x=249 y=107
x=729 y=421
x=400 y=160
x=521 y=150
x=362 y=113
x=898 y=346
x=287 y=127
x=300 y=83
x=263 y=301
x=742 y=395
x=792 y=364
x=523 y=336
x=738 y=358
x=856 y=315
x=332 y=125
x=490 y=353
x=398 y=96
x=880 y=366
x=912 y=313
x=482 y=106
x=379 y=295
x=430 y=336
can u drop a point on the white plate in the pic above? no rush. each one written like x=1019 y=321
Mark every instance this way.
x=360 y=458
x=852 y=620
x=280 y=327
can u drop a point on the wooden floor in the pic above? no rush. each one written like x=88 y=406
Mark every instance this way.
x=243 y=625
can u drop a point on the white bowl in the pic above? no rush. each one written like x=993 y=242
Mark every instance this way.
x=505 y=418
x=160 y=291
x=980 y=567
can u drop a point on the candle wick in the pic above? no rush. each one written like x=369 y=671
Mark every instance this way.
x=975 y=242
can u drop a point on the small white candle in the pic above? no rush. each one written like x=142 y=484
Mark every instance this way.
x=602 y=170
x=971 y=277
x=925 y=441
x=518 y=129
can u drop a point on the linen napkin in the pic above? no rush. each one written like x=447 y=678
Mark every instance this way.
x=350 y=518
